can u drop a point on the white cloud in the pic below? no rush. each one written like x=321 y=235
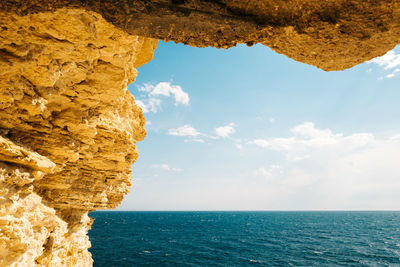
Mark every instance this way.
x=275 y=143
x=167 y=89
x=262 y=172
x=239 y=146
x=328 y=170
x=151 y=102
x=395 y=137
x=394 y=73
x=352 y=171
x=185 y=130
x=388 y=61
x=275 y=167
x=271 y=120
x=147 y=87
x=142 y=105
x=192 y=133
x=161 y=166
x=165 y=167
x=307 y=136
x=149 y=105
x=225 y=131
x=273 y=171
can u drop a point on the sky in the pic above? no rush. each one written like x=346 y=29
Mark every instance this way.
x=250 y=129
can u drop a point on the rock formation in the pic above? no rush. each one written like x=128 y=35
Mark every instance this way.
x=68 y=131
x=329 y=34
x=68 y=125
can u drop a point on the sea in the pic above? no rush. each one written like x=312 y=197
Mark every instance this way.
x=245 y=238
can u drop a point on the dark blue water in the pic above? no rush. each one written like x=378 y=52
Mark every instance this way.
x=246 y=238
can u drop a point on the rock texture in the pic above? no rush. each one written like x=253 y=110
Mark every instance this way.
x=68 y=131
x=68 y=125
x=329 y=34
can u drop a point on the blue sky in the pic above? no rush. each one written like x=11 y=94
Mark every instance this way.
x=249 y=129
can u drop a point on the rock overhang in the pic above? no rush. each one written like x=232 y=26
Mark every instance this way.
x=328 y=34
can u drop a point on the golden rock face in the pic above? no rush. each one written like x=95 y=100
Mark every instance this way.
x=68 y=131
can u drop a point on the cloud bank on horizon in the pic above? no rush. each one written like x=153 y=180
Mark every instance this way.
x=338 y=166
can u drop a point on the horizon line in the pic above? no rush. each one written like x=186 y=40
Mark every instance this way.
x=316 y=210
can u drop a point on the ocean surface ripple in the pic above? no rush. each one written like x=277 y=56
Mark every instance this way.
x=245 y=238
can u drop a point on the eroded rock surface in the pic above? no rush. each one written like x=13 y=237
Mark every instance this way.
x=329 y=34
x=68 y=131
x=68 y=125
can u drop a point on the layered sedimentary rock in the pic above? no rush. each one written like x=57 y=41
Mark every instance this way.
x=329 y=34
x=68 y=131
x=68 y=125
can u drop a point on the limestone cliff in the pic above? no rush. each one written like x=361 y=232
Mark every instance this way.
x=68 y=131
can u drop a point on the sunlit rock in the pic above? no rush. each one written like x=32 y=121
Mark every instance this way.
x=68 y=131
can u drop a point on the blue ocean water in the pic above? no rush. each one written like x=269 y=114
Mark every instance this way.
x=245 y=238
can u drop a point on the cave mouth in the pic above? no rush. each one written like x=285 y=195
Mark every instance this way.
x=69 y=125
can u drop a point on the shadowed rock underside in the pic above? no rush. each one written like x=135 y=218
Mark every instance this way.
x=329 y=34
